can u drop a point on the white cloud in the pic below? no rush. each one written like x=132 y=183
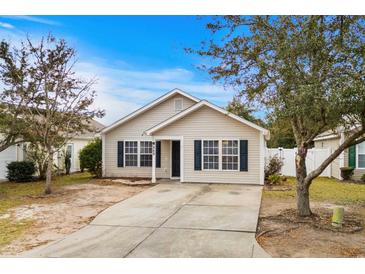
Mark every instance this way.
x=121 y=91
x=6 y=25
x=34 y=19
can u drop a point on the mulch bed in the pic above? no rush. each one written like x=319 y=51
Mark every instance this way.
x=321 y=219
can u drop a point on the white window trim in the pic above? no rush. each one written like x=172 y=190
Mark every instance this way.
x=357 y=157
x=182 y=104
x=138 y=140
x=140 y=154
x=124 y=146
x=220 y=154
x=238 y=155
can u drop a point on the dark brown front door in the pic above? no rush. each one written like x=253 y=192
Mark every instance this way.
x=175 y=158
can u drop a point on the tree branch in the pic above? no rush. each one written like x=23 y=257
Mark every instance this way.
x=354 y=139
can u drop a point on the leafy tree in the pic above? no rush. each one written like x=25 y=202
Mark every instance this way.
x=237 y=107
x=14 y=84
x=56 y=104
x=91 y=157
x=308 y=68
x=281 y=132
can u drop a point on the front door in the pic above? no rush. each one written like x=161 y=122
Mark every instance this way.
x=175 y=158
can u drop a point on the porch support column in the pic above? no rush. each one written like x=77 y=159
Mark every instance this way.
x=153 y=180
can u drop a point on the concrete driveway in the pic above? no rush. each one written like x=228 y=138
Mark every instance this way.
x=170 y=220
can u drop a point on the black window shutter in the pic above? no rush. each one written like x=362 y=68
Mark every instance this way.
x=243 y=155
x=197 y=155
x=120 y=153
x=158 y=153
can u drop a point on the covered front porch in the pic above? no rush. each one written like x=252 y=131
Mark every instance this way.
x=171 y=156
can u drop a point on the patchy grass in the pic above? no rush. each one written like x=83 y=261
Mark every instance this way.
x=14 y=194
x=10 y=230
x=324 y=190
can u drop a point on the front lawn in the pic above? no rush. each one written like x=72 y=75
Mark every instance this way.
x=28 y=218
x=283 y=234
x=324 y=189
x=14 y=194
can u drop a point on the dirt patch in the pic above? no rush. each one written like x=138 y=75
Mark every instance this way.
x=283 y=234
x=128 y=182
x=65 y=211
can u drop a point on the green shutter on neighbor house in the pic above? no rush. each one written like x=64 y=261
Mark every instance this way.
x=352 y=156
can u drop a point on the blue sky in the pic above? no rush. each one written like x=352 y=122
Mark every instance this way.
x=135 y=58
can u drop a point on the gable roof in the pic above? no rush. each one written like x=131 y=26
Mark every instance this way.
x=96 y=127
x=147 y=107
x=212 y=106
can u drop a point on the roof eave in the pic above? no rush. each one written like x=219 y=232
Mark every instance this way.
x=182 y=114
x=147 y=107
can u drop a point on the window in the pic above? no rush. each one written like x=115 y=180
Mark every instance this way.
x=230 y=155
x=361 y=155
x=146 y=153
x=178 y=104
x=131 y=153
x=210 y=154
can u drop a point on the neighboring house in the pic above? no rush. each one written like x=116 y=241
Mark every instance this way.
x=76 y=144
x=178 y=136
x=354 y=156
x=18 y=152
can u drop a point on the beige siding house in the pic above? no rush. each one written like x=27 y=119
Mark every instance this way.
x=19 y=152
x=75 y=145
x=181 y=137
x=353 y=156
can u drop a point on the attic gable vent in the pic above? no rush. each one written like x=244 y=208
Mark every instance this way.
x=178 y=104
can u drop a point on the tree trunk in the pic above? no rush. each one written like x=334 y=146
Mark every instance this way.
x=48 y=189
x=303 y=205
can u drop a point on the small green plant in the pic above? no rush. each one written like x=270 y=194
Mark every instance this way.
x=274 y=179
x=273 y=166
x=347 y=172
x=363 y=178
x=21 y=171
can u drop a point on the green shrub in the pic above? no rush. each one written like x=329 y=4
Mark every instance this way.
x=90 y=157
x=274 y=179
x=347 y=172
x=21 y=171
x=274 y=166
x=363 y=178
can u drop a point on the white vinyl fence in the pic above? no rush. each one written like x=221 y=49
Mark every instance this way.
x=315 y=157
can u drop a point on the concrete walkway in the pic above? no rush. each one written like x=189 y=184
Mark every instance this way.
x=170 y=220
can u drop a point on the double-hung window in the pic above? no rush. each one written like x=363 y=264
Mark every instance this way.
x=131 y=153
x=229 y=155
x=146 y=153
x=361 y=155
x=211 y=154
